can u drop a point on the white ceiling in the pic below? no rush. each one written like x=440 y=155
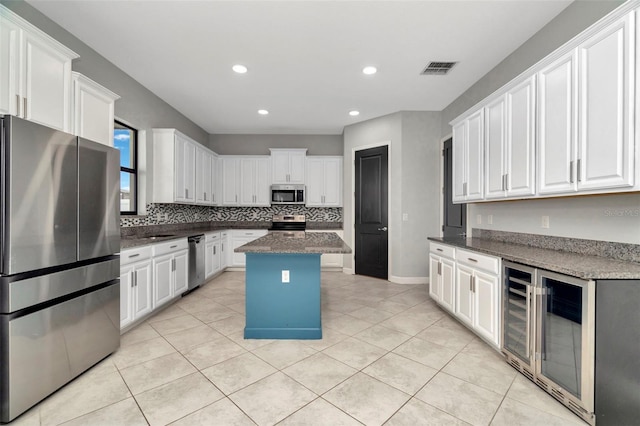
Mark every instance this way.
x=305 y=58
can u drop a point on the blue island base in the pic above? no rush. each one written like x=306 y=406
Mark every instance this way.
x=279 y=310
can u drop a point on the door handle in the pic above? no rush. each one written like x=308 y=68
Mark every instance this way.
x=384 y=228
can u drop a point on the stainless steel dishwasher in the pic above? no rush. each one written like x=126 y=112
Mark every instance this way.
x=196 y=261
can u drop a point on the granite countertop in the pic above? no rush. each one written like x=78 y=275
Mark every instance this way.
x=137 y=236
x=574 y=264
x=316 y=242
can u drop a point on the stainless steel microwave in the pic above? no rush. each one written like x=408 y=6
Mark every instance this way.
x=287 y=194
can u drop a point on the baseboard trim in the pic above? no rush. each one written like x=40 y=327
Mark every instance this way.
x=347 y=271
x=409 y=280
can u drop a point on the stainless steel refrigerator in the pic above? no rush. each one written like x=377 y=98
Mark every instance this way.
x=59 y=268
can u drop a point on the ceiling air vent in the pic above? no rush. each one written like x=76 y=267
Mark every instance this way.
x=438 y=68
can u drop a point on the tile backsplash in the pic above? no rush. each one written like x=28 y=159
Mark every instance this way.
x=158 y=214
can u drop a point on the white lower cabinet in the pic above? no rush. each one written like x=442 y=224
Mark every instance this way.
x=170 y=270
x=477 y=293
x=241 y=237
x=442 y=275
x=331 y=260
x=136 y=299
x=212 y=254
x=225 y=243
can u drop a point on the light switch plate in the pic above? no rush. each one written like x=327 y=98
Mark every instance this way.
x=285 y=276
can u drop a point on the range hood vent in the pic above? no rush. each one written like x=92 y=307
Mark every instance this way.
x=438 y=68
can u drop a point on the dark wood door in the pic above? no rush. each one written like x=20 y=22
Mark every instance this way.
x=455 y=215
x=371 y=211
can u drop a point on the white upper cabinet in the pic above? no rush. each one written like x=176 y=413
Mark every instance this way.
x=204 y=176
x=565 y=126
x=35 y=73
x=93 y=110
x=557 y=128
x=174 y=167
x=288 y=165
x=324 y=181
x=246 y=180
x=605 y=107
x=468 y=148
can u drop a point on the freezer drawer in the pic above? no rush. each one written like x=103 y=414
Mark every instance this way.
x=43 y=350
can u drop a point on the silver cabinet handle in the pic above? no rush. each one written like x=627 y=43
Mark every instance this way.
x=464 y=188
x=205 y=196
x=570 y=171
x=173 y=246
x=440 y=250
x=18 y=105
x=578 y=170
x=384 y=228
x=134 y=255
x=472 y=260
x=186 y=193
x=24 y=106
x=173 y=264
x=439 y=268
x=236 y=198
x=214 y=250
x=473 y=283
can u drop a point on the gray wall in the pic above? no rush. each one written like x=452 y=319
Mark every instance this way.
x=414 y=157
x=606 y=217
x=260 y=144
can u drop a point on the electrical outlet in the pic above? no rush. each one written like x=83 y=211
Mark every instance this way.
x=405 y=217
x=544 y=222
x=479 y=219
x=490 y=219
x=158 y=216
x=166 y=216
x=285 y=276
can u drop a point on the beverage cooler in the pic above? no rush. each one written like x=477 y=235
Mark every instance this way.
x=577 y=339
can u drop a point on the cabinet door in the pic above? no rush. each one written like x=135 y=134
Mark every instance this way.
x=203 y=176
x=46 y=83
x=189 y=171
x=280 y=160
x=486 y=309
x=435 y=282
x=247 y=181
x=557 y=126
x=464 y=296
x=93 y=110
x=217 y=255
x=606 y=114
x=208 y=259
x=224 y=249
x=143 y=299
x=180 y=272
x=520 y=153
x=238 y=259
x=458 y=163
x=315 y=181
x=297 y=166
x=332 y=182
x=495 y=148
x=447 y=277
x=215 y=180
x=126 y=293
x=230 y=181
x=262 y=182
x=10 y=102
x=474 y=157
x=162 y=277
x=180 y=185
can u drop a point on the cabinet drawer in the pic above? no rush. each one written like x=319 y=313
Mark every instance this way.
x=478 y=261
x=254 y=233
x=212 y=236
x=135 y=255
x=442 y=250
x=170 y=246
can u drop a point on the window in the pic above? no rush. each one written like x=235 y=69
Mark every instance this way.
x=125 y=139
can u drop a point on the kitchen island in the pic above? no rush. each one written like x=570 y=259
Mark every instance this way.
x=283 y=284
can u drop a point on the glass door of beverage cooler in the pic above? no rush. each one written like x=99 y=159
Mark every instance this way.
x=517 y=321
x=566 y=327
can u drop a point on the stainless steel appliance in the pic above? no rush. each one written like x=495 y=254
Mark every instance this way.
x=290 y=225
x=59 y=235
x=549 y=333
x=288 y=194
x=196 y=261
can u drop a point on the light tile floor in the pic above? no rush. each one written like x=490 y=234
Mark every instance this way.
x=389 y=355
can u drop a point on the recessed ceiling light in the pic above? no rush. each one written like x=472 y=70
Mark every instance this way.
x=354 y=113
x=369 y=70
x=263 y=112
x=240 y=69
